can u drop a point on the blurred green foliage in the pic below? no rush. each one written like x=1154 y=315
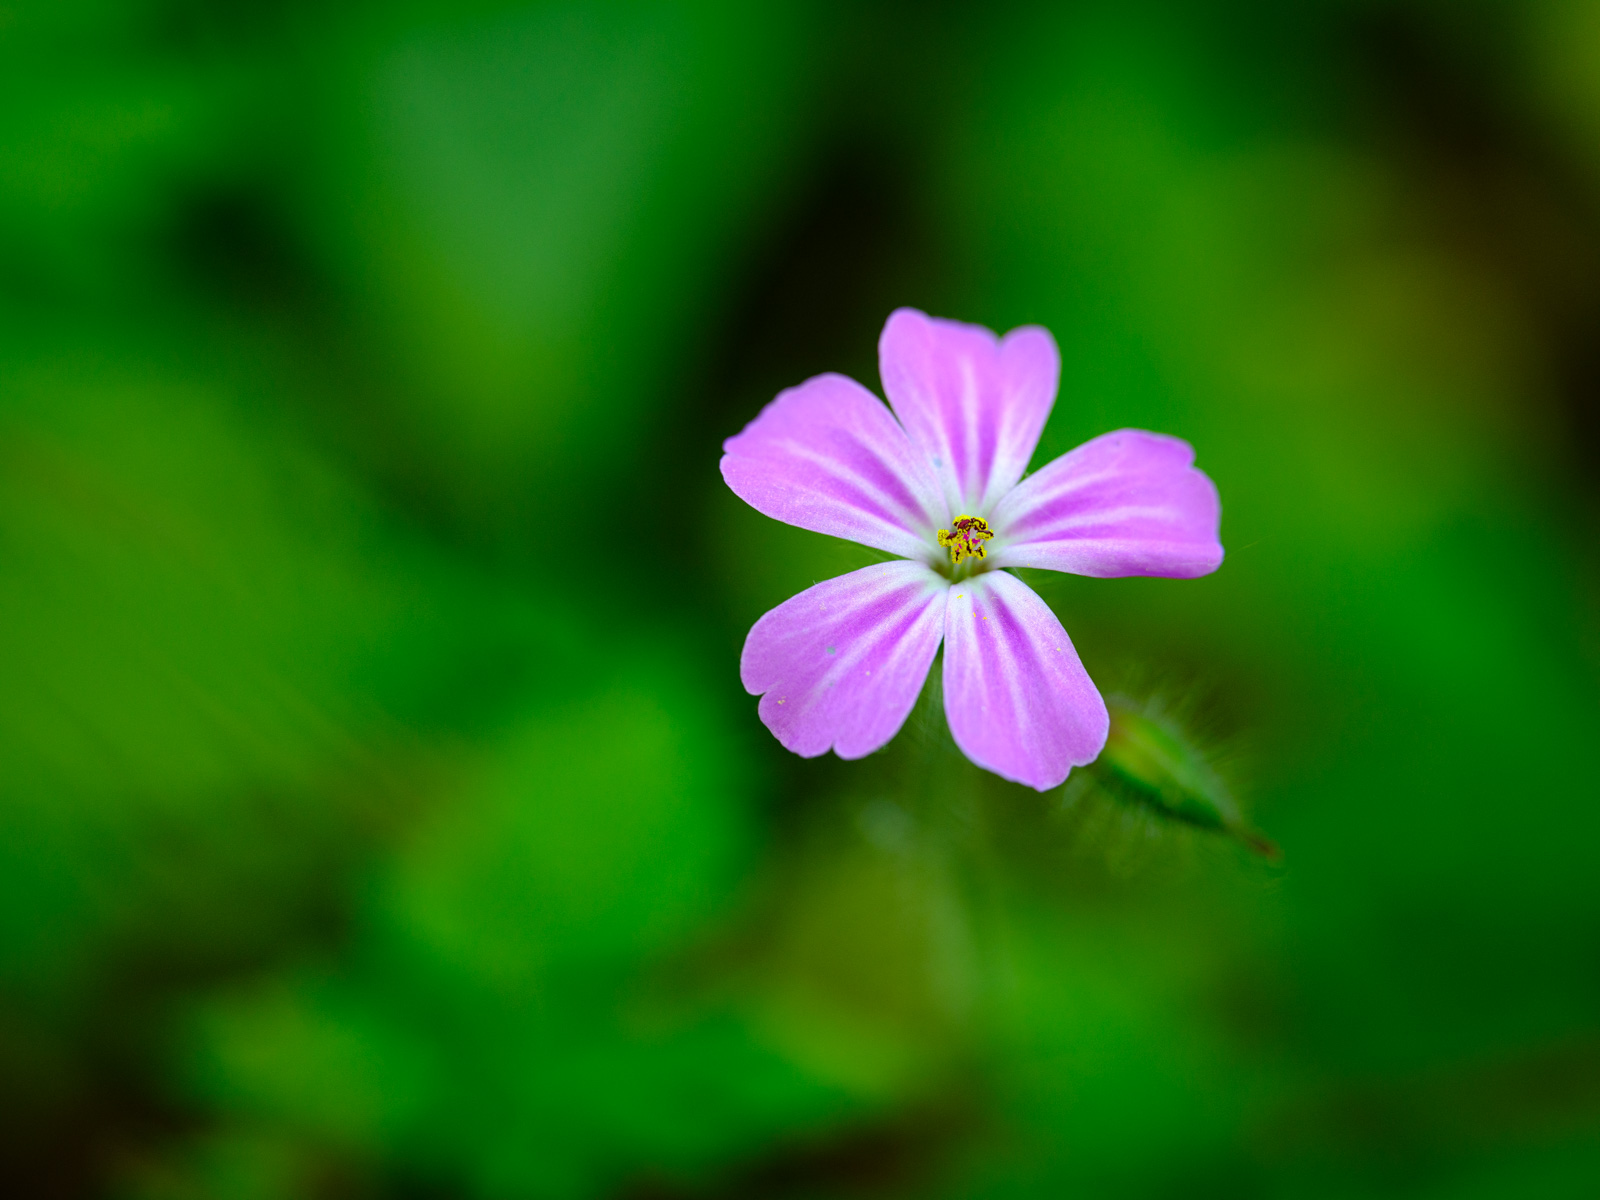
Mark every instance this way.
x=380 y=813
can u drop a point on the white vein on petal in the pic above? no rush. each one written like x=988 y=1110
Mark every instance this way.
x=847 y=474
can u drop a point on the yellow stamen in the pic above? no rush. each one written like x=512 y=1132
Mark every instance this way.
x=966 y=539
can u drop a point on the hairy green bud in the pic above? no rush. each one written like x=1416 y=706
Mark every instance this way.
x=1150 y=761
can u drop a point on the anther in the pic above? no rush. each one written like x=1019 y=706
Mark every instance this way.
x=966 y=539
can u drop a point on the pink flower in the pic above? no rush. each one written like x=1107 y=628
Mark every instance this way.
x=939 y=484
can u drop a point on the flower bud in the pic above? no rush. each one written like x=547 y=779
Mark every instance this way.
x=1148 y=759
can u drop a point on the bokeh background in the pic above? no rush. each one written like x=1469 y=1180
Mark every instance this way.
x=380 y=812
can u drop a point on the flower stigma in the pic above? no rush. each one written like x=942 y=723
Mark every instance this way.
x=966 y=539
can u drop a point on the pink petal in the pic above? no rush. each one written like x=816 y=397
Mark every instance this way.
x=828 y=456
x=841 y=663
x=1018 y=700
x=974 y=403
x=1127 y=503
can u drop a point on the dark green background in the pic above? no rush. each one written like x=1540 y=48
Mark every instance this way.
x=380 y=813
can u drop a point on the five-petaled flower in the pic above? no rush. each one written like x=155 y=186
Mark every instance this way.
x=840 y=665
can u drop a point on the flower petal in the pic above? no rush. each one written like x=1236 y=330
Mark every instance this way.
x=1018 y=700
x=975 y=403
x=828 y=456
x=1127 y=503
x=841 y=663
